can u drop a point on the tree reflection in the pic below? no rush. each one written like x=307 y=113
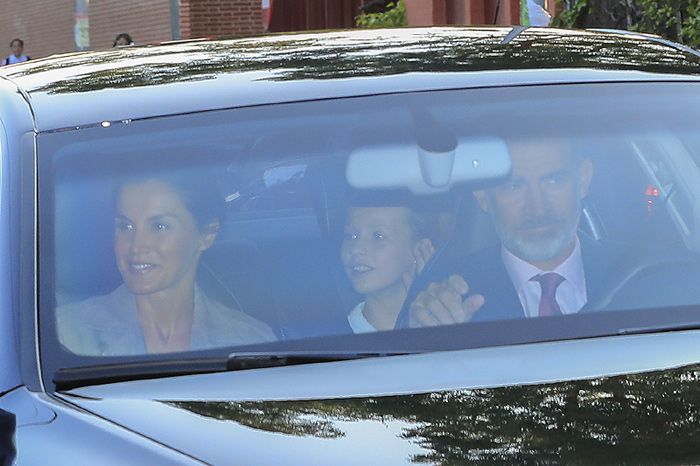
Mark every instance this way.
x=272 y=416
x=341 y=55
x=636 y=419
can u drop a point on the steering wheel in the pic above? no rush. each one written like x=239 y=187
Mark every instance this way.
x=650 y=280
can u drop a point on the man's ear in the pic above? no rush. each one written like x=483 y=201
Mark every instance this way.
x=480 y=196
x=209 y=233
x=585 y=174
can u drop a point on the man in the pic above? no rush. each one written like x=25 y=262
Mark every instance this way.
x=542 y=266
x=17 y=47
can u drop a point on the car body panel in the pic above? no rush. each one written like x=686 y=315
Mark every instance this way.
x=621 y=419
x=47 y=430
x=144 y=82
x=15 y=122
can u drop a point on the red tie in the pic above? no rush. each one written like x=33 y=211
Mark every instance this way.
x=549 y=283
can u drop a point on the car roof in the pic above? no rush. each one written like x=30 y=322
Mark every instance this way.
x=87 y=88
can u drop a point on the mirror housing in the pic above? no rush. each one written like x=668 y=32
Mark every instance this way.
x=425 y=171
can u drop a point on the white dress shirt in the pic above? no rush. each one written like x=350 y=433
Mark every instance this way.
x=358 y=322
x=571 y=293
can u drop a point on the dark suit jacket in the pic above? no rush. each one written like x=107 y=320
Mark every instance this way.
x=486 y=274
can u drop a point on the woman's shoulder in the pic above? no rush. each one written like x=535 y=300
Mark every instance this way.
x=100 y=310
x=82 y=325
x=232 y=326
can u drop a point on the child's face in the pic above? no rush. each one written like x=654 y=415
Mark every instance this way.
x=377 y=248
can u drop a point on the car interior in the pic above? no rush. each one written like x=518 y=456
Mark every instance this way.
x=277 y=255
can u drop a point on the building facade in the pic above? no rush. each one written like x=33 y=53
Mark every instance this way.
x=59 y=26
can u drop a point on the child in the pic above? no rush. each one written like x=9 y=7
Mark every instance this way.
x=383 y=249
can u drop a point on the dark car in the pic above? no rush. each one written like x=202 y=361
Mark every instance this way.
x=319 y=249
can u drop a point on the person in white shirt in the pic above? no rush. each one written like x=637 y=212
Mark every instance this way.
x=542 y=267
x=17 y=56
x=383 y=249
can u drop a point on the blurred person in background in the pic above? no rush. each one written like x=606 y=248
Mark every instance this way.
x=17 y=56
x=123 y=40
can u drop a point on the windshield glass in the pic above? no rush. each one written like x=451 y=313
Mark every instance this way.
x=370 y=215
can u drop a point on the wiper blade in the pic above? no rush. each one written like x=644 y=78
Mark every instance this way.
x=260 y=359
x=74 y=377
x=674 y=327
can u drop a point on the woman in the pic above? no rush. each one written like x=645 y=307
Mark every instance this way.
x=383 y=249
x=163 y=224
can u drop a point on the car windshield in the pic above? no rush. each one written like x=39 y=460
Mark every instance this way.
x=336 y=218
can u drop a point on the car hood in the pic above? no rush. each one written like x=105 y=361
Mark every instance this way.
x=648 y=418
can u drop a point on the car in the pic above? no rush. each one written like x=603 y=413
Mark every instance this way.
x=322 y=294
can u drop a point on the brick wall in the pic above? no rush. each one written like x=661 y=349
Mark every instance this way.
x=46 y=26
x=220 y=18
x=146 y=22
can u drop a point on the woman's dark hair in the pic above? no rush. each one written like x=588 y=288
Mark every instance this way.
x=124 y=36
x=197 y=188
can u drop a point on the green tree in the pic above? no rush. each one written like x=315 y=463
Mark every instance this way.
x=395 y=16
x=678 y=20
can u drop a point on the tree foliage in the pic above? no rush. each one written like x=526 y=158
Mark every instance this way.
x=395 y=16
x=678 y=20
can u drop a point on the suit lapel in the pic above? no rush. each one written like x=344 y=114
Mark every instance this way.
x=490 y=278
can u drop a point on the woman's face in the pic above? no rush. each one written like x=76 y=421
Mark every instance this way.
x=377 y=248
x=157 y=242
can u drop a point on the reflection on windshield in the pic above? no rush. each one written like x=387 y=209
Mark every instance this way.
x=238 y=227
x=638 y=419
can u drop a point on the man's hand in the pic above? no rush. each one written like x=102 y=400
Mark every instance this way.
x=444 y=303
x=422 y=253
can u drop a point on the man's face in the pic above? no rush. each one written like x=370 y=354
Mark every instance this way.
x=17 y=48
x=536 y=211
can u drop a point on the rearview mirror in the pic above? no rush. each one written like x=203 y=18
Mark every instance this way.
x=426 y=170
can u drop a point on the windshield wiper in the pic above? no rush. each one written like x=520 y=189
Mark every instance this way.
x=260 y=359
x=74 y=377
x=673 y=327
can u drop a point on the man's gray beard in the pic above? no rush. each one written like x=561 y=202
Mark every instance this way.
x=540 y=249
